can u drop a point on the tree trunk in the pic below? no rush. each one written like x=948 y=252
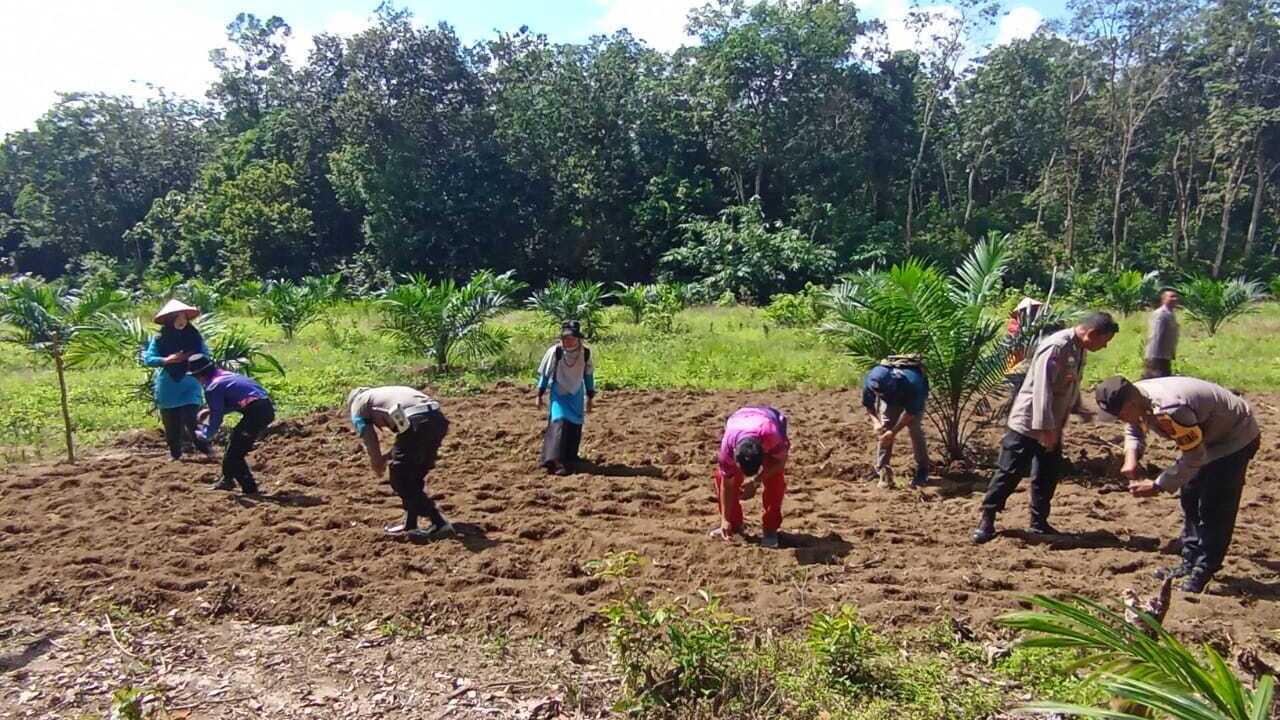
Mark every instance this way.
x=1234 y=177
x=1259 y=190
x=915 y=169
x=1044 y=190
x=759 y=179
x=1071 y=206
x=66 y=408
x=1117 y=197
x=968 y=203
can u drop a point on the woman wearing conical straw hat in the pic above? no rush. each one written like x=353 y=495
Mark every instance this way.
x=178 y=395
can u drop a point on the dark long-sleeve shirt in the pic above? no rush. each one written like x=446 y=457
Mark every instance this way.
x=228 y=392
x=906 y=388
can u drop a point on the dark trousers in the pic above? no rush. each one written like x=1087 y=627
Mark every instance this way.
x=179 y=424
x=1157 y=368
x=413 y=455
x=257 y=415
x=1020 y=455
x=561 y=442
x=1210 y=502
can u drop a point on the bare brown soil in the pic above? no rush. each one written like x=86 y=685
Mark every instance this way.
x=131 y=528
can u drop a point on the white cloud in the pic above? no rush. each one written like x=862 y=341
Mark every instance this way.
x=82 y=45
x=1018 y=24
x=339 y=23
x=660 y=23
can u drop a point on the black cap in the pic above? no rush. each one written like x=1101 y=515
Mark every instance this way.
x=1112 y=393
x=571 y=327
x=199 y=363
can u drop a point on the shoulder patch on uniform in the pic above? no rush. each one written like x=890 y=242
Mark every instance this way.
x=1186 y=437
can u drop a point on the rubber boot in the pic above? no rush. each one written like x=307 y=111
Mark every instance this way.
x=986 y=530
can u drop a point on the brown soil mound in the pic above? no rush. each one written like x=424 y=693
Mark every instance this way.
x=130 y=527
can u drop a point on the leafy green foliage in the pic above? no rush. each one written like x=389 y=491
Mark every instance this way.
x=1274 y=287
x=633 y=297
x=47 y=319
x=845 y=647
x=913 y=309
x=802 y=309
x=1128 y=291
x=290 y=306
x=126 y=704
x=747 y=255
x=583 y=301
x=1213 y=303
x=446 y=321
x=118 y=340
x=1141 y=663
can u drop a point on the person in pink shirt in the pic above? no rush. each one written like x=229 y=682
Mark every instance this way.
x=754 y=444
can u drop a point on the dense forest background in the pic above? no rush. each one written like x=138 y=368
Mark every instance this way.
x=786 y=142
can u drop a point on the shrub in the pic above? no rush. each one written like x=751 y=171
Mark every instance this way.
x=289 y=305
x=662 y=305
x=1213 y=303
x=913 y=309
x=633 y=297
x=446 y=321
x=1128 y=291
x=48 y=319
x=1140 y=663
x=1274 y=288
x=844 y=646
x=742 y=253
x=803 y=309
x=582 y=301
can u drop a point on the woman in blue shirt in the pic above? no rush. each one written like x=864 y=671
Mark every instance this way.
x=894 y=394
x=566 y=371
x=178 y=395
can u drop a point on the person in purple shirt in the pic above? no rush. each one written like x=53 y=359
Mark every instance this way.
x=228 y=392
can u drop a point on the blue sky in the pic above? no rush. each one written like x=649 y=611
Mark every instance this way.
x=48 y=46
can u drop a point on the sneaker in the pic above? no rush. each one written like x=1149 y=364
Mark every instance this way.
x=770 y=540
x=1043 y=528
x=986 y=531
x=224 y=483
x=398 y=529
x=718 y=534
x=1173 y=571
x=1196 y=582
x=886 y=478
x=920 y=479
x=250 y=486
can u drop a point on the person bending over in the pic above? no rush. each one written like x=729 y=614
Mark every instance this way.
x=755 y=444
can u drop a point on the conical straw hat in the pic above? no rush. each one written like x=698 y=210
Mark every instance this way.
x=173 y=307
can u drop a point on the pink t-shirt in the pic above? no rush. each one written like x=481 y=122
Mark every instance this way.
x=764 y=423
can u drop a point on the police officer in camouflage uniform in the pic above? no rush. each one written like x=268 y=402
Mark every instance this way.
x=1217 y=435
x=1033 y=442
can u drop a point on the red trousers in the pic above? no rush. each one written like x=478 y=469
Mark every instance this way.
x=774 y=487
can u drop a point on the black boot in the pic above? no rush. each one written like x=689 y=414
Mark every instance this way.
x=1173 y=571
x=224 y=483
x=249 y=485
x=986 y=531
x=1196 y=581
x=1042 y=527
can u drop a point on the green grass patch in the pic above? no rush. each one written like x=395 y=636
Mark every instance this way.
x=713 y=348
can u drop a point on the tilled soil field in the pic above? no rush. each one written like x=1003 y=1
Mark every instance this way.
x=130 y=527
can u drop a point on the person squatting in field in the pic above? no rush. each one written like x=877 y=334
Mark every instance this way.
x=754 y=443
x=228 y=392
x=420 y=428
x=568 y=373
x=1033 y=442
x=177 y=395
x=894 y=395
x=1216 y=434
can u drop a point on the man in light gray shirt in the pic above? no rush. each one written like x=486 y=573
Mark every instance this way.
x=420 y=429
x=1033 y=442
x=1217 y=435
x=1162 y=339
